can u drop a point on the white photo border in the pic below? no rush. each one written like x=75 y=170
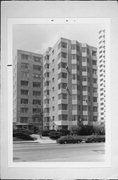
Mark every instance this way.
x=13 y=21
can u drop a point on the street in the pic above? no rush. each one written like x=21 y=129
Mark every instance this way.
x=32 y=152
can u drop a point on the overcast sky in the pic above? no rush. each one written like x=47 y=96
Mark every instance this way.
x=37 y=38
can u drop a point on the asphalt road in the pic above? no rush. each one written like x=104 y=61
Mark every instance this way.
x=32 y=152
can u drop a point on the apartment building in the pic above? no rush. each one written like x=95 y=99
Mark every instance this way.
x=28 y=90
x=102 y=86
x=70 y=85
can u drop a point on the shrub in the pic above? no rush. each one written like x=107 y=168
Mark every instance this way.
x=95 y=139
x=99 y=130
x=86 y=130
x=68 y=139
x=23 y=136
x=63 y=132
x=54 y=135
x=45 y=133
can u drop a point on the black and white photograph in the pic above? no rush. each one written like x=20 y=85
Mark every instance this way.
x=59 y=91
x=58 y=64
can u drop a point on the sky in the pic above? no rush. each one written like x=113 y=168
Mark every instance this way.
x=38 y=37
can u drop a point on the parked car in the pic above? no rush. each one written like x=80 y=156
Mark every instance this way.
x=95 y=139
x=68 y=140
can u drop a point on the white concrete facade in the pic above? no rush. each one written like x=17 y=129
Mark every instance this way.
x=70 y=85
x=102 y=81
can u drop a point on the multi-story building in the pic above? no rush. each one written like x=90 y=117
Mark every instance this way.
x=102 y=86
x=70 y=85
x=27 y=89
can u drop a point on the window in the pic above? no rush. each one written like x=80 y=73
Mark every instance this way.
x=37 y=101
x=46 y=110
x=62 y=75
x=37 y=59
x=73 y=56
x=84 y=108
x=46 y=66
x=95 y=109
x=23 y=119
x=63 y=117
x=77 y=47
x=74 y=117
x=24 y=74
x=53 y=117
x=53 y=98
x=36 y=110
x=78 y=77
x=24 y=110
x=74 y=76
x=94 y=62
x=84 y=59
x=74 y=107
x=83 y=49
x=94 y=71
x=46 y=92
x=62 y=65
x=95 y=90
x=53 y=88
x=46 y=83
x=24 y=56
x=84 y=78
x=73 y=46
x=94 y=99
x=63 y=55
x=46 y=74
x=37 y=67
x=53 y=51
x=46 y=101
x=78 y=58
x=24 y=83
x=24 y=92
x=74 y=86
x=53 y=108
x=62 y=85
x=24 y=65
x=53 y=61
x=84 y=88
x=93 y=53
x=84 y=68
x=85 y=118
x=94 y=80
x=63 y=45
x=53 y=70
x=62 y=96
x=62 y=106
x=52 y=79
x=74 y=66
x=47 y=57
x=94 y=118
x=36 y=76
x=36 y=93
x=24 y=101
x=85 y=98
x=36 y=84
x=74 y=96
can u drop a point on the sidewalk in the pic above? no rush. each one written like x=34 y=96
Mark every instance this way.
x=41 y=140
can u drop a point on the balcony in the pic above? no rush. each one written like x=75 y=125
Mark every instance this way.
x=84 y=54
x=94 y=66
x=64 y=101
x=64 y=80
x=85 y=113
x=84 y=73
x=84 y=83
x=95 y=113
x=63 y=112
